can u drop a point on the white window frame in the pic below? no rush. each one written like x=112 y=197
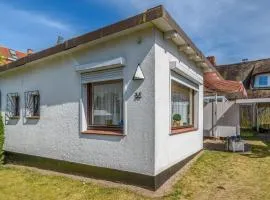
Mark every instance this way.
x=107 y=70
x=91 y=124
x=195 y=97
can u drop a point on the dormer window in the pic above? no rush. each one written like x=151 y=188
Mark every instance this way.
x=262 y=81
x=13 y=54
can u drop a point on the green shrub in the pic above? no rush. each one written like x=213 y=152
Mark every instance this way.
x=176 y=117
x=2 y=138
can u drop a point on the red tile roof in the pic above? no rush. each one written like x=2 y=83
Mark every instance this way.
x=4 y=51
x=213 y=82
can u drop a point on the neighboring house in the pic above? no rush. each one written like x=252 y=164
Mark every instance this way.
x=251 y=112
x=123 y=103
x=10 y=55
x=255 y=75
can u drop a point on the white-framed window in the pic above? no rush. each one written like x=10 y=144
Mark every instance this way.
x=13 y=54
x=262 y=81
x=182 y=106
x=105 y=104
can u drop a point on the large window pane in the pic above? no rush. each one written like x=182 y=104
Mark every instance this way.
x=262 y=81
x=107 y=104
x=182 y=103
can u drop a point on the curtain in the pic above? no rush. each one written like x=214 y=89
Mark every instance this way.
x=107 y=104
x=181 y=103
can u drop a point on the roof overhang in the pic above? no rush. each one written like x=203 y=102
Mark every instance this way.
x=172 y=31
x=250 y=101
x=156 y=16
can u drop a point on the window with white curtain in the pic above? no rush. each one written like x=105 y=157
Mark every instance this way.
x=182 y=106
x=106 y=104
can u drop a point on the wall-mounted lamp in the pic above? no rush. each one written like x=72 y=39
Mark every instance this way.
x=138 y=74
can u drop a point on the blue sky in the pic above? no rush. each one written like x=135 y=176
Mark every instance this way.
x=229 y=29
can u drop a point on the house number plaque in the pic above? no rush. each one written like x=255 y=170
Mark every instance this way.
x=137 y=96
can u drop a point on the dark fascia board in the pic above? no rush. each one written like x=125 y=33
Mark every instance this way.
x=146 y=17
x=246 y=62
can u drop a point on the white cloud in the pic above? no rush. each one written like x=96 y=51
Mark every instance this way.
x=229 y=29
x=12 y=13
x=49 y=22
x=22 y=29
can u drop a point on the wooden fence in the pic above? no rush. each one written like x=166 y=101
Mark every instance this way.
x=255 y=116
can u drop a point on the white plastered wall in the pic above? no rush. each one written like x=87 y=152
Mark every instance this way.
x=57 y=134
x=171 y=149
x=147 y=147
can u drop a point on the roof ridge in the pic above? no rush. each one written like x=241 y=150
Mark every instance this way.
x=239 y=63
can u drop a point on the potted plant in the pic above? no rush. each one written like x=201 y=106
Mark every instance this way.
x=176 y=120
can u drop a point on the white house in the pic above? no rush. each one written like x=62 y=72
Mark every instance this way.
x=228 y=113
x=107 y=104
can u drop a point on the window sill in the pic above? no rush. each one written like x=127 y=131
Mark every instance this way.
x=104 y=132
x=33 y=117
x=260 y=88
x=14 y=117
x=183 y=130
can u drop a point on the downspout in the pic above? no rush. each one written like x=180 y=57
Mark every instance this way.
x=215 y=115
x=214 y=112
x=212 y=118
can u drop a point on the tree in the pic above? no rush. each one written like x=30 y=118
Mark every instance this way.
x=2 y=60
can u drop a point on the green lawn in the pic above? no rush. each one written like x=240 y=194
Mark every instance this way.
x=216 y=175
x=221 y=175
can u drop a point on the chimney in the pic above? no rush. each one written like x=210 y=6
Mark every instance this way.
x=212 y=60
x=30 y=51
x=60 y=39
